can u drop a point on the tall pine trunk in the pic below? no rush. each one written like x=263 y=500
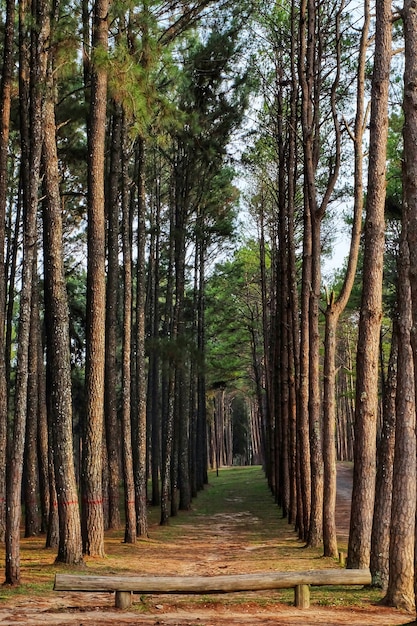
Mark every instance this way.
x=5 y=103
x=93 y=519
x=32 y=149
x=140 y=418
x=371 y=303
x=336 y=306
x=58 y=343
x=112 y=292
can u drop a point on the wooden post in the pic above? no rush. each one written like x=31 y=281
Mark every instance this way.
x=123 y=599
x=342 y=559
x=302 y=596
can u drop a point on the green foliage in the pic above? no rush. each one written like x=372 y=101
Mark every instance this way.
x=233 y=313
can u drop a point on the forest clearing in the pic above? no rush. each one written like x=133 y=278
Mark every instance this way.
x=233 y=527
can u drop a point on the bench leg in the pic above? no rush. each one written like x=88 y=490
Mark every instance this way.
x=123 y=599
x=302 y=596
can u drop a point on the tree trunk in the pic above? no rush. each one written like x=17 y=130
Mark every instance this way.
x=57 y=341
x=111 y=379
x=410 y=163
x=127 y=454
x=379 y=563
x=140 y=420
x=31 y=484
x=5 y=103
x=400 y=592
x=17 y=441
x=336 y=307
x=43 y=439
x=153 y=402
x=371 y=304
x=93 y=521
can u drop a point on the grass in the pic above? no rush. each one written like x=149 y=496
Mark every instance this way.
x=236 y=511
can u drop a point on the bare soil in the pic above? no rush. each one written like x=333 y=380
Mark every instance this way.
x=233 y=541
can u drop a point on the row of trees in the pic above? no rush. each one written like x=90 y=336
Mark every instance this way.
x=115 y=174
x=309 y=158
x=131 y=356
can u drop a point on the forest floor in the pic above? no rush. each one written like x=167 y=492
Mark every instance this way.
x=233 y=527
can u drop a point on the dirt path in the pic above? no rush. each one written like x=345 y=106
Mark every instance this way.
x=208 y=544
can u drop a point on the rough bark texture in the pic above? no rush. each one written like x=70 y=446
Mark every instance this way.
x=140 y=421
x=371 y=304
x=17 y=442
x=31 y=484
x=111 y=379
x=410 y=160
x=93 y=521
x=127 y=455
x=5 y=102
x=58 y=355
x=400 y=592
x=335 y=308
x=385 y=463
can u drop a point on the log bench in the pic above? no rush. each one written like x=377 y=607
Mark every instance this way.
x=125 y=586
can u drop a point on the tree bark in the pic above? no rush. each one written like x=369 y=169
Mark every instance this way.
x=380 y=541
x=127 y=454
x=400 y=592
x=371 y=304
x=33 y=152
x=93 y=520
x=5 y=104
x=57 y=341
x=112 y=290
x=409 y=15
x=335 y=308
x=30 y=478
x=140 y=421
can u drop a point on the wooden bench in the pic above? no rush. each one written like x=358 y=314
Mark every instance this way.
x=125 y=586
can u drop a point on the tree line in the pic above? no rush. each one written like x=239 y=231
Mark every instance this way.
x=134 y=357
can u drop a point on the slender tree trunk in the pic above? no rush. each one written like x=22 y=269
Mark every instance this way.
x=371 y=304
x=140 y=471
x=153 y=402
x=400 y=592
x=168 y=383
x=17 y=441
x=31 y=483
x=379 y=563
x=5 y=103
x=110 y=387
x=336 y=307
x=409 y=15
x=43 y=439
x=127 y=454
x=58 y=343
x=293 y=302
x=93 y=521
